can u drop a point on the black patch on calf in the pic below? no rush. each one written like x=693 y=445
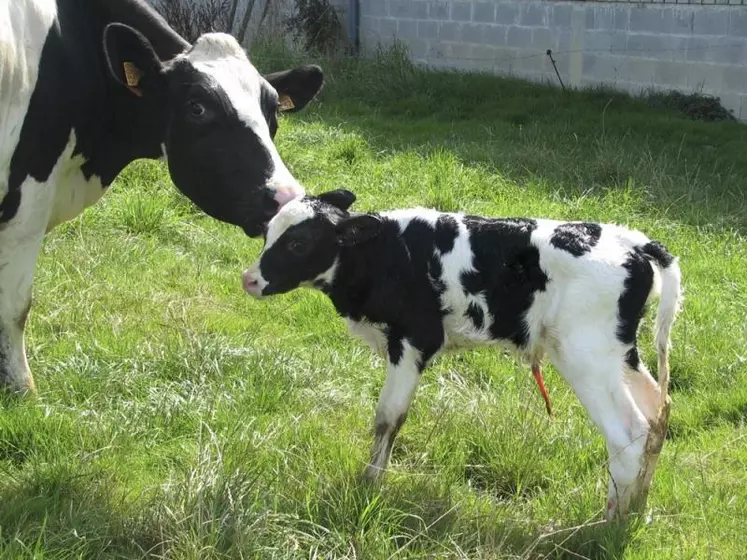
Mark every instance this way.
x=472 y=282
x=659 y=253
x=632 y=301
x=576 y=238
x=435 y=271
x=388 y=280
x=507 y=271
x=632 y=359
x=447 y=231
x=475 y=314
x=395 y=347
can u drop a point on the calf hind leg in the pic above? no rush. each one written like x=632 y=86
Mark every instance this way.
x=647 y=395
x=598 y=383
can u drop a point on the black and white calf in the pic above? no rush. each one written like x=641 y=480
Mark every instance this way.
x=415 y=282
x=86 y=87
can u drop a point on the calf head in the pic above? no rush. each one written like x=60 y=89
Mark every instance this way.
x=304 y=241
x=219 y=120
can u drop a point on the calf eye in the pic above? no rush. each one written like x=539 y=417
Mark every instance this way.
x=196 y=109
x=299 y=247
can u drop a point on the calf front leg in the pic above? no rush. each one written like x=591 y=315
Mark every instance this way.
x=406 y=363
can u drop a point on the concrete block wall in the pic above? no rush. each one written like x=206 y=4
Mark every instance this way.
x=630 y=46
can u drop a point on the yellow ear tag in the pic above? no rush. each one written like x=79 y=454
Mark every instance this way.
x=285 y=103
x=132 y=74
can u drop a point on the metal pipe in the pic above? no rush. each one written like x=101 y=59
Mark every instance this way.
x=353 y=24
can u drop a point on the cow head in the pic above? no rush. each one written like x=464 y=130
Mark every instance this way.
x=221 y=121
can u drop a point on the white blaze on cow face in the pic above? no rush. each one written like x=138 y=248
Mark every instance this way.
x=219 y=56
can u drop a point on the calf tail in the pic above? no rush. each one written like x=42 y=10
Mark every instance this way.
x=669 y=306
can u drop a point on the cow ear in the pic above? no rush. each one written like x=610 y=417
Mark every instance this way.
x=131 y=58
x=340 y=198
x=296 y=87
x=358 y=229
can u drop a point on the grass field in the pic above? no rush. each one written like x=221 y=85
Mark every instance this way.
x=178 y=418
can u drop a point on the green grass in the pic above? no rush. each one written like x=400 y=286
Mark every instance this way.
x=179 y=418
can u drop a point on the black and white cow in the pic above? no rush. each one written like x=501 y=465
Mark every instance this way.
x=86 y=88
x=415 y=282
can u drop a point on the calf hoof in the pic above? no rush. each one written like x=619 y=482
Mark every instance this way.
x=372 y=474
x=17 y=385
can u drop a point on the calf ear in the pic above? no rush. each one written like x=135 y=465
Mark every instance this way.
x=296 y=87
x=131 y=58
x=357 y=229
x=340 y=198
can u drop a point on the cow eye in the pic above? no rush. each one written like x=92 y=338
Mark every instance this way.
x=299 y=247
x=196 y=109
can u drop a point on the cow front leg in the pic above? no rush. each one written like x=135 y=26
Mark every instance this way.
x=16 y=278
x=21 y=239
x=406 y=363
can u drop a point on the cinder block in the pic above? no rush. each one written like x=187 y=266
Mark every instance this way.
x=705 y=77
x=387 y=28
x=418 y=49
x=519 y=37
x=600 y=17
x=461 y=11
x=438 y=10
x=639 y=70
x=543 y=38
x=735 y=80
x=448 y=31
x=495 y=35
x=427 y=29
x=459 y=51
x=369 y=24
x=622 y=18
x=472 y=33
x=671 y=74
x=709 y=21
x=683 y=20
x=533 y=14
x=374 y=8
x=738 y=23
x=483 y=12
x=730 y=51
x=598 y=41
x=564 y=42
x=647 y=45
x=644 y=19
x=484 y=54
x=619 y=42
x=412 y=9
x=741 y=112
x=507 y=13
x=561 y=16
x=697 y=48
x=407 y=29
x=436 y=51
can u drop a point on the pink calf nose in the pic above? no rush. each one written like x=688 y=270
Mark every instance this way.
x=251 y=284
x=283 y=195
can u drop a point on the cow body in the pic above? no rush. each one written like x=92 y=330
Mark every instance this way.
x=88 y=87
x=416 y=282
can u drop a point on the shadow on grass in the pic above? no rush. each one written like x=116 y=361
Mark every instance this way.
x=420 y=516
x=62 y=513
x=569 y=144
